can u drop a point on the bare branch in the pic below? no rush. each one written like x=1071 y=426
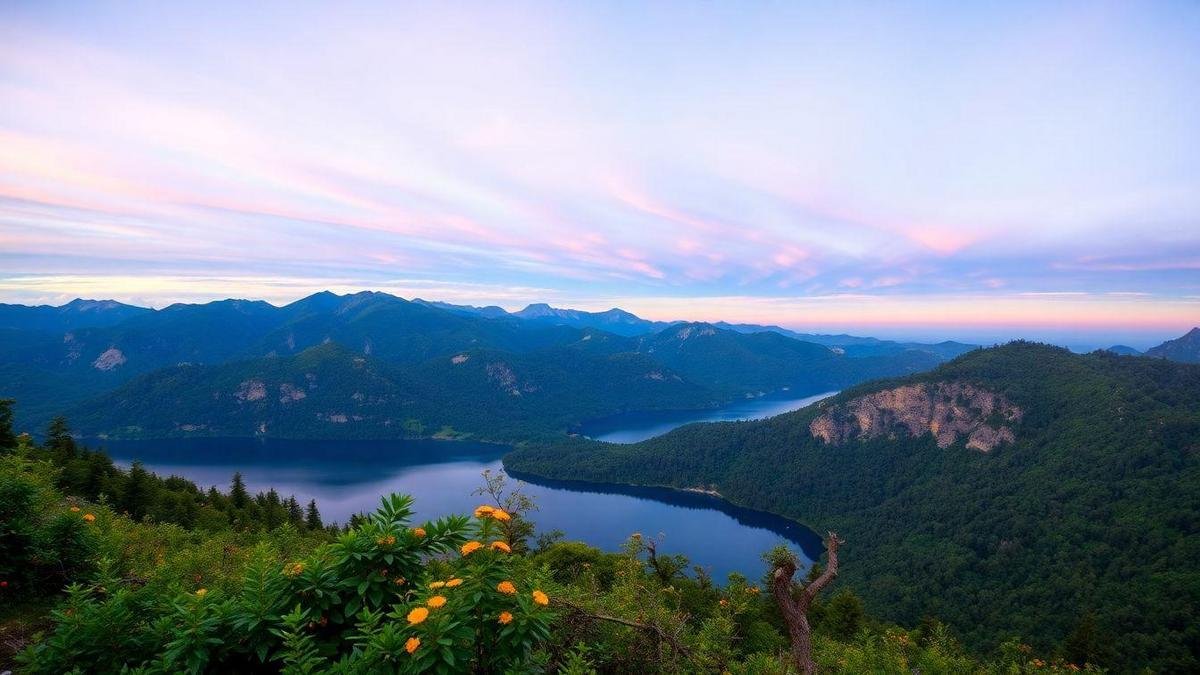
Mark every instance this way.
x=663 y=635
x=794 y=607
x=831 y=570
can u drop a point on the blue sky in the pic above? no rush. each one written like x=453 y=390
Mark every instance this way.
x=942 y=169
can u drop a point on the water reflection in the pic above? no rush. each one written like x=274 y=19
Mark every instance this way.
x=347 y=477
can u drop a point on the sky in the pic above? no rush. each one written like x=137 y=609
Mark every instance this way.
x=943 y=170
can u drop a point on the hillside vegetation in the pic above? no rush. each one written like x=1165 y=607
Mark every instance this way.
x=1086 y=522
x=371 y=365
x=234 y=592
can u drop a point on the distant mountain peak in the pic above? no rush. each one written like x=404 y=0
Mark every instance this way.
x=1185 y=348
x=538 y=309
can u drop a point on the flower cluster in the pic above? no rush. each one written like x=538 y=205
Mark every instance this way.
x=485 y=511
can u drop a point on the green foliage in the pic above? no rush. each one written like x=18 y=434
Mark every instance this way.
x=1092 y=511
x=8 y=439
x=44 y=542
x=446 y=597
x=375 y=600
x=143 y=495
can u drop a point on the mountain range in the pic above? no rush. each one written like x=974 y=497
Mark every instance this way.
x=539 y=370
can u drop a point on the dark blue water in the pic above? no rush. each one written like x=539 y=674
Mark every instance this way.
x=631 y=427
x=347 y=477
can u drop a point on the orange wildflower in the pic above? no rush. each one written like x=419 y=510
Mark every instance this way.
x=89 y=517
x=470 y=547
x=418 y=532
x=386 y=541
x=418 y=615
x=412 y=644
x=506 y=587
x=501 y=546
x=436 y=584
x=454 y=582
x=541 y=598
x=201 y=592
x=436 y=601
x=74 y=509
x=483 y=511
x=294 y=569
x=505 y=618
x=501 y=515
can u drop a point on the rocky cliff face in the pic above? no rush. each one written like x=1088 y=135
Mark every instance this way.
x=949 y=410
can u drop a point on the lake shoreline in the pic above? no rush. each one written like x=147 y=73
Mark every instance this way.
x=708 y=494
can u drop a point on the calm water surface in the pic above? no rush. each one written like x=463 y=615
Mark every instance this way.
x=347 y=477
x=632 y=427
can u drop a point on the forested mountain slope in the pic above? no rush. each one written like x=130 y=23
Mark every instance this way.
x=577 y=370
x=1015 y=490
x=1185 y=348
x=330 y=391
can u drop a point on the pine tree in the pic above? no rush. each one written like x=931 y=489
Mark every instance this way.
x=138 y=495
x=312 y=518
x=8 y=439
x=295 y=513
x=59 y=440
x=238 y=497
x=273 y=512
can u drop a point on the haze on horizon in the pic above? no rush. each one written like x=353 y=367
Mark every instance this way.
x=937 y=170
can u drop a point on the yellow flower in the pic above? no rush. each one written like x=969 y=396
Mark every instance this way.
x=483 y=511
x=294 y=569
x=505 y=618
x=386 y=541
x=412 y=644
x=74 y=509
x=436 y=584
x=454 y=582
x=418 y=532
x=89 y=517
x=501 y=546
x=470 y=547
x=501 y=515
x=541 y=598
x=506 y=587
x=753 y=590
x=417 y=616
x=436 y=601
x=201 y=592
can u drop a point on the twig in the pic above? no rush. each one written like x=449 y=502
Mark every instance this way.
x=657 y=630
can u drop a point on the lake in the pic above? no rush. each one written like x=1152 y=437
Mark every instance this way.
x=631 y=427
x=347 y=477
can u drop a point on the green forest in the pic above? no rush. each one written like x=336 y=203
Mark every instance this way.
x=1087 y=524
x=108 y=570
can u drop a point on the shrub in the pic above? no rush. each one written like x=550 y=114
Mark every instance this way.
x=385 y=597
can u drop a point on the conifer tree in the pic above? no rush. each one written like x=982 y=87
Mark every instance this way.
x=138 y=495
x=59 y=440
x=312 y=518
x=238 y=497
x=8 y=439
x=295 y=513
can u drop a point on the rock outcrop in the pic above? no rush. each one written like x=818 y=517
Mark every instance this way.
x=949 y=410
x=111 y=358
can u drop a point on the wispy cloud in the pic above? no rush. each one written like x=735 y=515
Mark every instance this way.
x=577 y=153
